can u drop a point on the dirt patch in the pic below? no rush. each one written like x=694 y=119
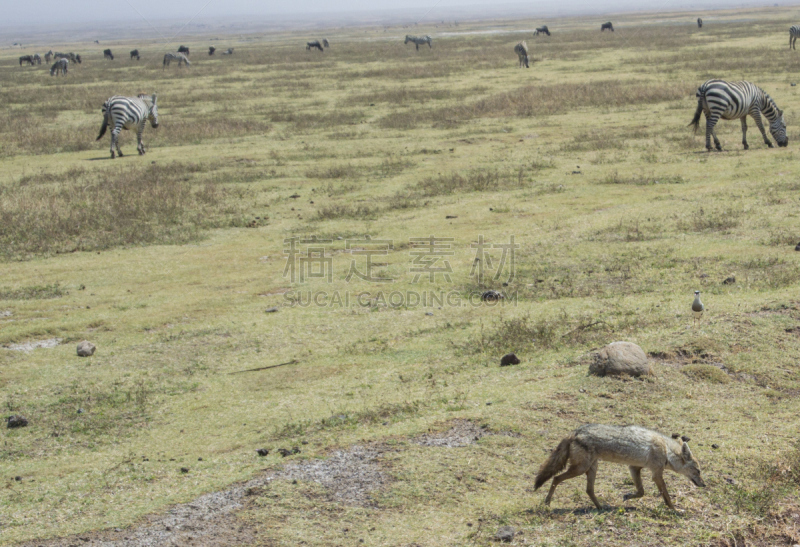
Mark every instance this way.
x=462 y=433
x=5 y=313
x=350 y=476
x=30 y=346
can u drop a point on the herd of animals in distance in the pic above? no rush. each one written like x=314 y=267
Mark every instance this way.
x=580 y=451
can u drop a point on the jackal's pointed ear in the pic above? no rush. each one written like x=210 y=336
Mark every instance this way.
x=686 y=453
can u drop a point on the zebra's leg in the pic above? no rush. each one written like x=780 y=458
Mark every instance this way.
x=710 y=123
x=115 y=141
x=139 y=143
x=417 y=46
x=744 y=133
x=757 y=117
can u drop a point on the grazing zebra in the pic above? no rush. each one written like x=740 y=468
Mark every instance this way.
x=183 y=49
x=126 y=113
x=732 y=100
x=542 y=30
x=48 y=56
x=699 y=23
x=107 y=54
x=325 y=43
x=60 y=65
x=419 y=41
x=229 y=51
x=794 y=32
x=135 y=54
x=607 y=26
x=27 y=59
x=314 y=44
x=180 y=57
x=37 y=58
x=211 y=50
x=521 y=50
x=71 y=56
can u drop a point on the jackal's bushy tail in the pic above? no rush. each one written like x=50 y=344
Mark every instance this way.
x=696 y=120
x=555 y=463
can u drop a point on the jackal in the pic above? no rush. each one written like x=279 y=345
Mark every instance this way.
x=630 y=445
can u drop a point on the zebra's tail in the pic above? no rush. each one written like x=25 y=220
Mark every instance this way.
x=104 y=126
x=699 y=112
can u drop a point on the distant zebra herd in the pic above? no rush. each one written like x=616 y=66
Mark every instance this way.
x=419 y=41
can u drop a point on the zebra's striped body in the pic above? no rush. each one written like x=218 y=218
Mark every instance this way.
x=542 y=30
x=607 y=26
x=135 y=54
x=60 y=65
x=27 y=59
x=794 y=32
x=37 y=58
x=180 y=57
x=107 y=54
x=127 y=113
x=736 y=100
x=325 y=43
x=521 y=49
x=419 y=41
x=71 y=56
x=48 y=56
x=314 y=45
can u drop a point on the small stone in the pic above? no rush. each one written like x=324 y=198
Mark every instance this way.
x=18 y=478
x=509 y=359
x=199 y=459
x=295 y=450
x=294 y=481
x=730 y=480
x=729 y=281
x=505 y=533
x=284 y=452
x=262 y=451
x=797 y=248
x=16 y=421
x=450 y=216
x=86 y=348
x=304 y=442
x=271 y=310
x=714 y=446
x=430 y=313
x=489 y=403
x=184 y=469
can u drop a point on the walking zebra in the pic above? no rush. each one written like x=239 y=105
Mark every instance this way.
x=60 y=65
x=183 y=49
x=418 y=41
x=135 y=54
x=542 y=30
x=180 y=57
x=107 y=54
x=314 y=44
x=48 y=56
x=325 y=43
x=794 y=32
x=607 y=26
x=229 y=51
x=211 y=50
x=521 y=50
x=732 y=100
x=699 y=23
x=127 y=113
x=27 y=59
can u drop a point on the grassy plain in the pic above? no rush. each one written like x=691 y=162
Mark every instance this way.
x=167 y=262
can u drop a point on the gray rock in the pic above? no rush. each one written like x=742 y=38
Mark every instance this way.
x=271 y=310
x=620 y=359
x=86 y=348
x=505 y=533
x=492 y=296
x=16 y=421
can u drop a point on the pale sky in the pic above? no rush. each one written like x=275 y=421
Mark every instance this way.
x=16 y=13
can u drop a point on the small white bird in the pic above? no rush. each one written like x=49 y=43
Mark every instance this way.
x=697 y=307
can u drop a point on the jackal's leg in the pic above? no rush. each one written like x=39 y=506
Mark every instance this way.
x=636 y=475
x=572 y=472
x=590 y=476
x=658 y=478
